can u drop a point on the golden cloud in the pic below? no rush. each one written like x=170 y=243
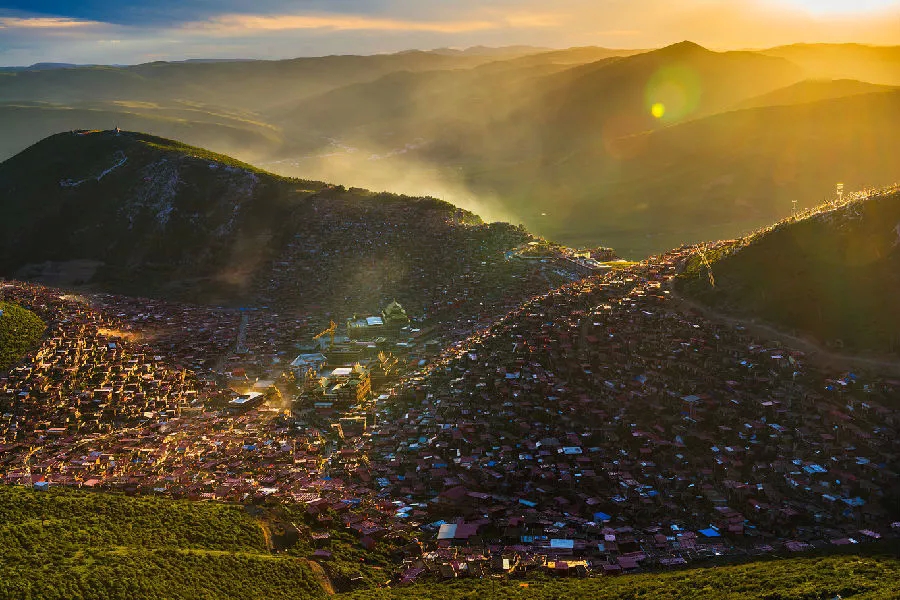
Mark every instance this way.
x=242 y=23
x=44 y=23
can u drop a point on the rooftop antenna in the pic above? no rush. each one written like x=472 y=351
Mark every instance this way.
x=840 y=193
x=793 y=208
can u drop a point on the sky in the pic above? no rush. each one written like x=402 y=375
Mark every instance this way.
x=136 y=31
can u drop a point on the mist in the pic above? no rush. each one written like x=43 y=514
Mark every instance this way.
x=391 y=171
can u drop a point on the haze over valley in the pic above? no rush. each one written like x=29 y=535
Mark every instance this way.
x=639 y=150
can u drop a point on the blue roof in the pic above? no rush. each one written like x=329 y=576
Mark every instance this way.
x=710 y=533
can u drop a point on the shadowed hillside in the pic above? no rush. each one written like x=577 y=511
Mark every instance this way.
x=834 y=276
x=145 y=215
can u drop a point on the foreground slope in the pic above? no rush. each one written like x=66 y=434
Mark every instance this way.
x=90 y=545
x=860 y=577
x=834 y=275
x=146 y=215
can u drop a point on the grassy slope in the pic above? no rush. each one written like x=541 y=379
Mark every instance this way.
x=833 y=276
x=66 y=544
x=20 y=330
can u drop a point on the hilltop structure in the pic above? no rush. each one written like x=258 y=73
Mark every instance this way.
x=393 y=318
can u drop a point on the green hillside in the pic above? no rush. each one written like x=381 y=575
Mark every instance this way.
x=834 y=276
x=70 y=545
x=20 y=330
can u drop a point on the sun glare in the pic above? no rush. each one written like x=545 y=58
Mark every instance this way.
x=658 y=110
x=846 y=7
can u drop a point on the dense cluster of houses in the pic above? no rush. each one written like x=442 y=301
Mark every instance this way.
x=603 y=422
x=436 y=262
x=600 y=427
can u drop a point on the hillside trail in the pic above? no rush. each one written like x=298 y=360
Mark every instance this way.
x=318 y=572
x=267 y=535
x=321 y=576
x=815 y=353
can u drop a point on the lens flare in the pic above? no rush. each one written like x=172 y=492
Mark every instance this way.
x=677 y=89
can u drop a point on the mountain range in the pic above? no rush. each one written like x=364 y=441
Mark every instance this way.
x=635 y=149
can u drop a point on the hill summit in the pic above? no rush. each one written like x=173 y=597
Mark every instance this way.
x=139 y=214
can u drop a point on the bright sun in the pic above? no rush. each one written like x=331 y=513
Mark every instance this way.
x=825 y=7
